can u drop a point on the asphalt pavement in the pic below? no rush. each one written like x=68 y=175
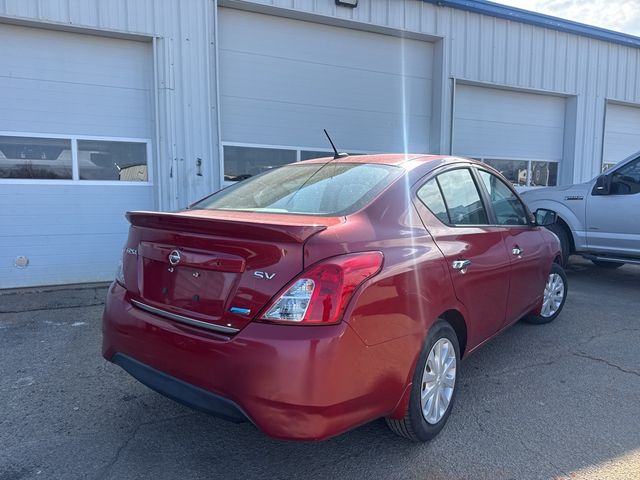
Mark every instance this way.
x=552 y=401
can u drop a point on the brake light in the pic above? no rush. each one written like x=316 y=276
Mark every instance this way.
x=320 y=294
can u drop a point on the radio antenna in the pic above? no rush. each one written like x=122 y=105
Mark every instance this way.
x=335 y=150
x=306 y=182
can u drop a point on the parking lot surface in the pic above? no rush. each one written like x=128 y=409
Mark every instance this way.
x=551 y=401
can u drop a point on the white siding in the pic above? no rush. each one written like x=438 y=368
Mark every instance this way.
x=622 y=132
x=74 y=233
x=185 y=65
x=289 y=79
x=69 y=83
x=491 y=122
x=69 y=233
x=482 y=48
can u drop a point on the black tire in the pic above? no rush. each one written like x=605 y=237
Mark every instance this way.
x=539 y=319
x=413 y=425
x=563 y=236
x=607 y=265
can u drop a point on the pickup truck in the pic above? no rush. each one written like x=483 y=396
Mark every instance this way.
x=599 y=219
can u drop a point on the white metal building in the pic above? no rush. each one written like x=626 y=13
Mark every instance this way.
x=109 y=106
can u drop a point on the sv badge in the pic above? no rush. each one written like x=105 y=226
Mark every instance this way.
x=264 y=275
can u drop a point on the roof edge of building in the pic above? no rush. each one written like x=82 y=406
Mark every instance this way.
x=540 y=19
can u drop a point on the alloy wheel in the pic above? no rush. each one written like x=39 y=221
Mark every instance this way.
x=553 y=295
x=438 y=381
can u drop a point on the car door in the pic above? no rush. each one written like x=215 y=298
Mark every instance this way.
x=524 y=245
x=453 y=211
x=613 y=222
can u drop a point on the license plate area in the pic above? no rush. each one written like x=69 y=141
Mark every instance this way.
x=186 y=289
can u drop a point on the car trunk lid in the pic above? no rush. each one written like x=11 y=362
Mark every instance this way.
x=215 y=267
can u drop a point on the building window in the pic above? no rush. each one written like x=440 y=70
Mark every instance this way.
x=35 y=158
x=526 y=173
x=73 y=158
x=243 y=161
x=119 y=161
x=310 y=154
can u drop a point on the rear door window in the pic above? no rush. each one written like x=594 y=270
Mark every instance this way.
x=462 y=198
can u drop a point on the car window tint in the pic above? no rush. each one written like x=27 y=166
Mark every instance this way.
x=506 y=206
x=431 y=196
x=462 y=198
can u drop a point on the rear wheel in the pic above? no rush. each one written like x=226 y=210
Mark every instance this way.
x=555 y=294
x=608 y=265
x=434 y=386
x=562 y=235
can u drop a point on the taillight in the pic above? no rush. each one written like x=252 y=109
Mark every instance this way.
x=320 y=294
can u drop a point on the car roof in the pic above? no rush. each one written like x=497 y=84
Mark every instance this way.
x=408 y=161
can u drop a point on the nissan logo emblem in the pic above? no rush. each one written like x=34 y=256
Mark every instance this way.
x=174 y=257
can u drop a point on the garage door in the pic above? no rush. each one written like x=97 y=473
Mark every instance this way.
x=282 y=81
x=621 y=133
x=521 y=134
x=75 y=123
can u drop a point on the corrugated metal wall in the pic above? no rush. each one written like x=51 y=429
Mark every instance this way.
x=492 y=50
x=186 y=126
x=476 y=47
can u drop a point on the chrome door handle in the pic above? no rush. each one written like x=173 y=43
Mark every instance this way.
x=461 y=265
x=517 y=251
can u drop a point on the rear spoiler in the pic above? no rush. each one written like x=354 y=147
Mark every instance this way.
x=210 y=225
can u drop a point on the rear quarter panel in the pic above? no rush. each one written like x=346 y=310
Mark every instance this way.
x=393 y=311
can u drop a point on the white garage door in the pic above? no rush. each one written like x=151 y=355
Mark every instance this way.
x=282 y=81
x=75 y=123
x=621 y=134
x=521 y=134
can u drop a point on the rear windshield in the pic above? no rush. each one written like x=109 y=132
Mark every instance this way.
x=330 y=189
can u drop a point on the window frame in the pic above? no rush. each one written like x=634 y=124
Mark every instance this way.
x=75 y=167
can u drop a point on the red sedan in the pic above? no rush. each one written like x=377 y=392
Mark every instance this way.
x=324 y=294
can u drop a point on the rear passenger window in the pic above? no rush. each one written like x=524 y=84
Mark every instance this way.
x=462 y=198
x=430 y=195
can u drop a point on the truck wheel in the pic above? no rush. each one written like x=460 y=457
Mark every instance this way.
x=555 y=294
x=608 y=265
x=565 y=246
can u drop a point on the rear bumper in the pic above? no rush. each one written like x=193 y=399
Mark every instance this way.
x=180 y=391
x=292 y=382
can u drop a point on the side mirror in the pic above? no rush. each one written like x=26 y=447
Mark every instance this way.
x=545 y=217
x=602 y=186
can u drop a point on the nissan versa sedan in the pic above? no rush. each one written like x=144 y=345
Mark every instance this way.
x=324 y=294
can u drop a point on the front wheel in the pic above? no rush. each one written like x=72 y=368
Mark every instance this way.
x=434 y=386
x=555 y=294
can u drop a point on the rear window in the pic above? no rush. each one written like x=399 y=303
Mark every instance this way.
x=330 y=189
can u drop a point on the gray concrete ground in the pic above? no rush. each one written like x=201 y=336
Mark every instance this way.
x=554 y=401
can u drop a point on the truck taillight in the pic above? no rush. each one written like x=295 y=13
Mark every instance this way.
x=320 y=294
